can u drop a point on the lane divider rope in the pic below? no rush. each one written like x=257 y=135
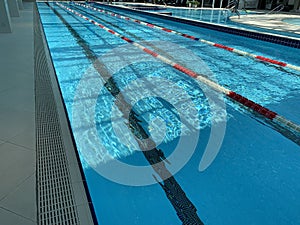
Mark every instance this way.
x=248 y=104
x=239 y=52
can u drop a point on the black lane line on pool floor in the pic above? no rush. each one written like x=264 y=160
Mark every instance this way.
x=184 y=208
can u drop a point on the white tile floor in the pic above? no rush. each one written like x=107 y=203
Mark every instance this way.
x=271 y=21
x=17 y=128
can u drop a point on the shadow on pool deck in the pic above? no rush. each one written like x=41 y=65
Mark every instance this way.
x=17 y=130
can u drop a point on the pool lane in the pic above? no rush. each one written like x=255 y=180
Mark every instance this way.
x=284 y=126
x=221 y=64
x=152 y=34
x=126 y=28
x=240 y=52
x=135 y=36
x=227 y=48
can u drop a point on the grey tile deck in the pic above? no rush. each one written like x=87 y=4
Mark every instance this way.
x=14 y=122
x=270 y=21
x=11 y=200
x=17 y=128
x=10 y=217
x=17 y=166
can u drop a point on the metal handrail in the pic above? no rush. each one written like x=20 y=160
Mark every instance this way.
x=277 y=9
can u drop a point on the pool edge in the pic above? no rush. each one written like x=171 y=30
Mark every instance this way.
x=77 y=201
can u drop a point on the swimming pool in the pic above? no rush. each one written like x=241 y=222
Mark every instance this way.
x=253 y=179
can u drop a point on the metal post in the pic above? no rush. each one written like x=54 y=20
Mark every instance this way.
x=5 y=25
x=296 y=5
x=219 y=16
x=20 y=4
x=13 y=8
x=242 y=4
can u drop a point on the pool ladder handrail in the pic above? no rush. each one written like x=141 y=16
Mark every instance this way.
x=277 y=9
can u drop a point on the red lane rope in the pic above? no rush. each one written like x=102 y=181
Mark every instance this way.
x=248 y=104
x=237 y=51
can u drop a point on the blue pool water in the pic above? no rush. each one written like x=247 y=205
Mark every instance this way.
x=294 y=21
x=108 y=84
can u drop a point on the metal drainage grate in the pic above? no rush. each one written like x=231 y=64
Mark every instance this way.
x=55 y=196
